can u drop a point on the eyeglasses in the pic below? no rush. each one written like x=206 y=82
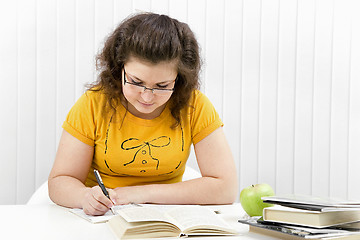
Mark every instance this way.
x=138 y=87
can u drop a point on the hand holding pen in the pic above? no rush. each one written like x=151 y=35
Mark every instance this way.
x=101 y=185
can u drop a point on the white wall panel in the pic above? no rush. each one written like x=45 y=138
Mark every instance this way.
x=141 y=5
x=104 y=15
x=214 y=55
x=46 y=68
x=250 y=79
x=197 y=20
x=304 y=96
x=339 y=137
x=123 y=8
x=161 y=6
x=268 y=91
x=8 y=98
x=322 y=97
x=65 y=69
x=26 y=118
x=232 y=76
x=84 y=45
x=286 y=96
x=283 y=75
x=354 y=111
x=178 y=9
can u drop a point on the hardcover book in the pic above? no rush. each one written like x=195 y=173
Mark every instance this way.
x=310 y=202
x=291 y=232
x=316 y=219
x=149 y=222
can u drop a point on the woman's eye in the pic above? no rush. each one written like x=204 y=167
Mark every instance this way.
x=135 y=82
x=162 y=86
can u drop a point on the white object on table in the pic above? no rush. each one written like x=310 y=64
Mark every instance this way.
x=50 y=221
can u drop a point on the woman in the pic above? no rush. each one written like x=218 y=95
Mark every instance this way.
x=136 y=124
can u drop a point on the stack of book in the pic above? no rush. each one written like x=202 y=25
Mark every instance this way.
x=306 y=217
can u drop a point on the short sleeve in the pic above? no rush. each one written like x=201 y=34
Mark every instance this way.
x=204 y=119
x=80 y=120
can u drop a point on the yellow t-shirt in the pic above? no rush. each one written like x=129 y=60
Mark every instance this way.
x=132 y=151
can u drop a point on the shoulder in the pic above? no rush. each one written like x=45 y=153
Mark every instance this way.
x=92 y=98
x=91 y=103
x=199 y=100
x=202 y=115
x=200 y=107
x=197 y=94
x=94 y=95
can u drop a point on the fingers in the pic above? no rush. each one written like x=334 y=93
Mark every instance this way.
x=100 y=197
x=113 y=196
x=96 y=203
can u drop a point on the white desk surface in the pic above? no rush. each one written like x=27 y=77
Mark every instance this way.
x=55 y=222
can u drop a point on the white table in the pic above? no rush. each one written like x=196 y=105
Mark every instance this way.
x=55 y=222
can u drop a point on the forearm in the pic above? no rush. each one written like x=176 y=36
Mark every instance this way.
x=205 y=190
x=67 y=191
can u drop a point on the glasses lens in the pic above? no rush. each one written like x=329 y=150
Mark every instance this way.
x=161 y=92
x=134 y=87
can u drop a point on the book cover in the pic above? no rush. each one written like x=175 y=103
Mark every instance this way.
x=310 y=201
x=350 y=226
x=316 y=219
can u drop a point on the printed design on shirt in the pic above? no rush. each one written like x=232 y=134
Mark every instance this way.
x=171 y=171
x=144 y=151
x=182 y=138
x=143 y=148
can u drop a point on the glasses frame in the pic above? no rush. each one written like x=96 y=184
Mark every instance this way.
x=162 y=90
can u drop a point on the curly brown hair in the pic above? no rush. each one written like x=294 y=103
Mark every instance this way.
x=154 y=38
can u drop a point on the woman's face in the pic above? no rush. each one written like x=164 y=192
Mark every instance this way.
x=148 y=103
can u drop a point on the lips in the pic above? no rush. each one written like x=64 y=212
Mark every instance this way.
x=146 y=104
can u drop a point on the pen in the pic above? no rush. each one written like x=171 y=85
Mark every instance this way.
x=101 y=184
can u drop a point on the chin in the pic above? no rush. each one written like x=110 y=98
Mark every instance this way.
x=144 y=110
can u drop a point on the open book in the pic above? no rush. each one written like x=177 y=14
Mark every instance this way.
x=147 y=222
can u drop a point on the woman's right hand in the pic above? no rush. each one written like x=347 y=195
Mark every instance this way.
x=96 y=203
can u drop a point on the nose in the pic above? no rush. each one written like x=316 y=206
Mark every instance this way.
x=147 y=95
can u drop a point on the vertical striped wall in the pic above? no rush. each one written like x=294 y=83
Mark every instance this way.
x=283 y=74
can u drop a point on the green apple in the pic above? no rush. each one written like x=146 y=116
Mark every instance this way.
x=250 y=198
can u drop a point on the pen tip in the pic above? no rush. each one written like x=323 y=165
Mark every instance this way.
x=112 y=210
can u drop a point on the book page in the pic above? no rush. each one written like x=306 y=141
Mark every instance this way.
x=108 y=215
x=192 y=216
x=142 y=214
x=162 y=207
x=98 y=219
